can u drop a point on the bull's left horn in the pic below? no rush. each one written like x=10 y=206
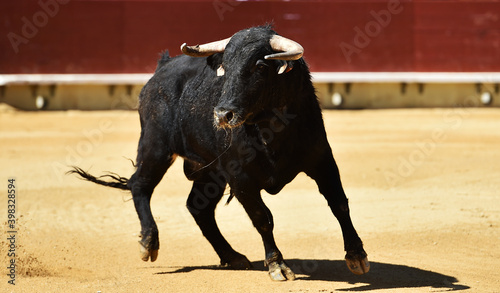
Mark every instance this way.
x=290 y=50
x=205 y=49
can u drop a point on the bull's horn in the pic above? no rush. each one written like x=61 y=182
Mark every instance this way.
x=290 y=50
x=205 y=49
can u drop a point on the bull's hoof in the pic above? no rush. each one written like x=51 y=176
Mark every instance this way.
x=237 y=262
x=357 y=262
x=279 y=271
x=149 y=245
x=147 y=254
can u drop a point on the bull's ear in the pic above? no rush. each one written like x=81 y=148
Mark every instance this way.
x=214 y=61
x=285 y=67
x=220 y=71
x=282 y=68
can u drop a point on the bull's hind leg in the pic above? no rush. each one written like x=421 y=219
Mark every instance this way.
x=262 y=220
x=203 y=199
x=153 y=160
x=326 y=175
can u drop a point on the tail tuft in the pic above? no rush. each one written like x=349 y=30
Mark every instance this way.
x=117 y=181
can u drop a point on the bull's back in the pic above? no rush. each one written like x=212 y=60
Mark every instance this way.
x=171 y=76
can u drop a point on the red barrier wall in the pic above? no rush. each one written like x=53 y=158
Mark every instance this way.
x=83 y=36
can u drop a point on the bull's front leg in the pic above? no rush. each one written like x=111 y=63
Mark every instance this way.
x=326 y=175
x=153 y=161
x=262 y=220
x=149 y=243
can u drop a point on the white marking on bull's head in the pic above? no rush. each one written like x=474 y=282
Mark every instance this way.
x=220 y=71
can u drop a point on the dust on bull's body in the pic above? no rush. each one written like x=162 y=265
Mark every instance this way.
x=242 y=112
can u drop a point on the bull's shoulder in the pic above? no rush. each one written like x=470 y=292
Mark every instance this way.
x=178 y=68
x=170 y=78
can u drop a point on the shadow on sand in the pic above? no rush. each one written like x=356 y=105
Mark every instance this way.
x=381 y=275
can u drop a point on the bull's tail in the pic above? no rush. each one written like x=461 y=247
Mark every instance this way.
x=116 y=180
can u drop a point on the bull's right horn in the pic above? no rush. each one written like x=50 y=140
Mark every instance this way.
x=205 y=49
x=289 y=50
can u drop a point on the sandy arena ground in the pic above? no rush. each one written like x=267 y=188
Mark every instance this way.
x=423 y=187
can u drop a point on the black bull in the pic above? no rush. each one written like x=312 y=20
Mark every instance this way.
x=243 y=113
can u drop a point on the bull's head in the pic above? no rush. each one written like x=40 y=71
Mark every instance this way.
x=254 y=65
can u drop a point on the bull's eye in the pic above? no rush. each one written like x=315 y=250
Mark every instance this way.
x=261 y=64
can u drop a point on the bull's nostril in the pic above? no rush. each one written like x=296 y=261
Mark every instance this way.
x=229 y=116
x=223 y=117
